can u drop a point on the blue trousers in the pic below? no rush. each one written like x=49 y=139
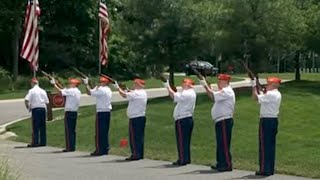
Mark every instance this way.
x=102 y=132
x=136 y=134
x=39 y=126
x=183 y=136
x=267 y=144
x=223 y=139
x=70 y=122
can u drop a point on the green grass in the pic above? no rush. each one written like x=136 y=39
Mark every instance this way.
x=297 y=141
x=304 y=76
x=5 y=171
x=150 y=83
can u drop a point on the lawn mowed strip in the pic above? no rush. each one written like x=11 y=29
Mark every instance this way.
x=150 y=83
x=297 y=141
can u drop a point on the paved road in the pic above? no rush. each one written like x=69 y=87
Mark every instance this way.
x=48 y=163
x=14 y=109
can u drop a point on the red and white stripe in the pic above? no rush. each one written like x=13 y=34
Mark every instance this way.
x=30 y=47
x=104 y=27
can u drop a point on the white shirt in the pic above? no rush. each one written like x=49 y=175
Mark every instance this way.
x=270 y=104
x=72 y=98
x=37 y=97
x=186 y=101
x=224 y=101
x=137 y=103
x=103 y=96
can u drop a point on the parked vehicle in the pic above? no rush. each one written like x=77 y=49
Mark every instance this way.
x=204 y=67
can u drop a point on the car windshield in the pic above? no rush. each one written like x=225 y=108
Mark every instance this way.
x=204 y=63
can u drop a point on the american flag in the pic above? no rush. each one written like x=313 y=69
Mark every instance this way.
x=104 y=29
x=30 y=47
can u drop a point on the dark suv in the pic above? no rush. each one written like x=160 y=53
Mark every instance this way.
x=204 y=67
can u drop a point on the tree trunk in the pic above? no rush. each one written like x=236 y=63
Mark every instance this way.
x=171 y=71
x=297 y=61
x=15 y=49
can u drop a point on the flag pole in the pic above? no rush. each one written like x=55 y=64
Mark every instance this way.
x=99 y=57
x=35 y=16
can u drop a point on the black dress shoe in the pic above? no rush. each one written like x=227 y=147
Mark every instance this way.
x=68 y=150
x=32 y=145
x=178 y=163
x=131 y=159
x=95 y=153
x=258 y=173
x=42 y=145
x=221 y=169
x=213 y=167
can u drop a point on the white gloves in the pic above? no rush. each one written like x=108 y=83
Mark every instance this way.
x=85 y=80
x=203 y=83
x=166 y=84
x=53 y=81
x=116 y=85
x=254 y=82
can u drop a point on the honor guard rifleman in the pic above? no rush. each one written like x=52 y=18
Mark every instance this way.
x=183 y=112
x=72 y=94
x=222 y=113
x=136 y=113
x=103 y=95
x=269 y=110
x=36 y=102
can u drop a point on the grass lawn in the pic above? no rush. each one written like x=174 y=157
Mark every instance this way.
x=150 y=83
x=297 y=141
x=304 y=76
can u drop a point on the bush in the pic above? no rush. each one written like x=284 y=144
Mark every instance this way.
x=3 y=72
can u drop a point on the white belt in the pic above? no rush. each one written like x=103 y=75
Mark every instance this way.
x=223 y=118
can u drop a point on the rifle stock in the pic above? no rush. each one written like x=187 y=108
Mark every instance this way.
x=121 y=85
x=83 y=76
x=59 y=84
x=164 y=79
x=199 y=75
x=251 y=75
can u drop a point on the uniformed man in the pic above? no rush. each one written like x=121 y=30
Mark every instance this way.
x=36 y=101
x=136 y=113
x=183 y=112
x=222 y=113
x=103 y=95
x=269 y=110
x=72 y=94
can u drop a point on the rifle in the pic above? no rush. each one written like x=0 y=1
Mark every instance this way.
x=58 y=83
x=83 y=76
x=164 y=79
x=251 y=75
x=121 y=85
x=199 y=75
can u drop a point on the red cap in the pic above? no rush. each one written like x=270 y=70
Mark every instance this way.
x=188 y=81
x=34 y=80
x=273 y=80
x=139 y=81
x=104 y=79
x=74 y=81
x=225 y=77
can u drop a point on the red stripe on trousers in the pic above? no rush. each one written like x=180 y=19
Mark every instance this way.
x=66 y=132
x=262 y=149
x=32 y=140
x=180 y=142
x=134 y=153
x=97 y=133
x=225 y=143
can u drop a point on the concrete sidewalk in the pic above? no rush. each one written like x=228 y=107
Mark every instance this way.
x=48 y=163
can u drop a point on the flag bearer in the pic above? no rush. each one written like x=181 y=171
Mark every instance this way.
x=136 y=113
x=222 y=113
x=36 y=101
x=103 y=95
x=183 y=112
x=72 y=94
x=269 y=110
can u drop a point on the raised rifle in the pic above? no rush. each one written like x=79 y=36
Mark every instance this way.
x=251 y=75
x=83 y=76
x=58 y=83
x=199 y=75
x=164 y=79
x=121 y=85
